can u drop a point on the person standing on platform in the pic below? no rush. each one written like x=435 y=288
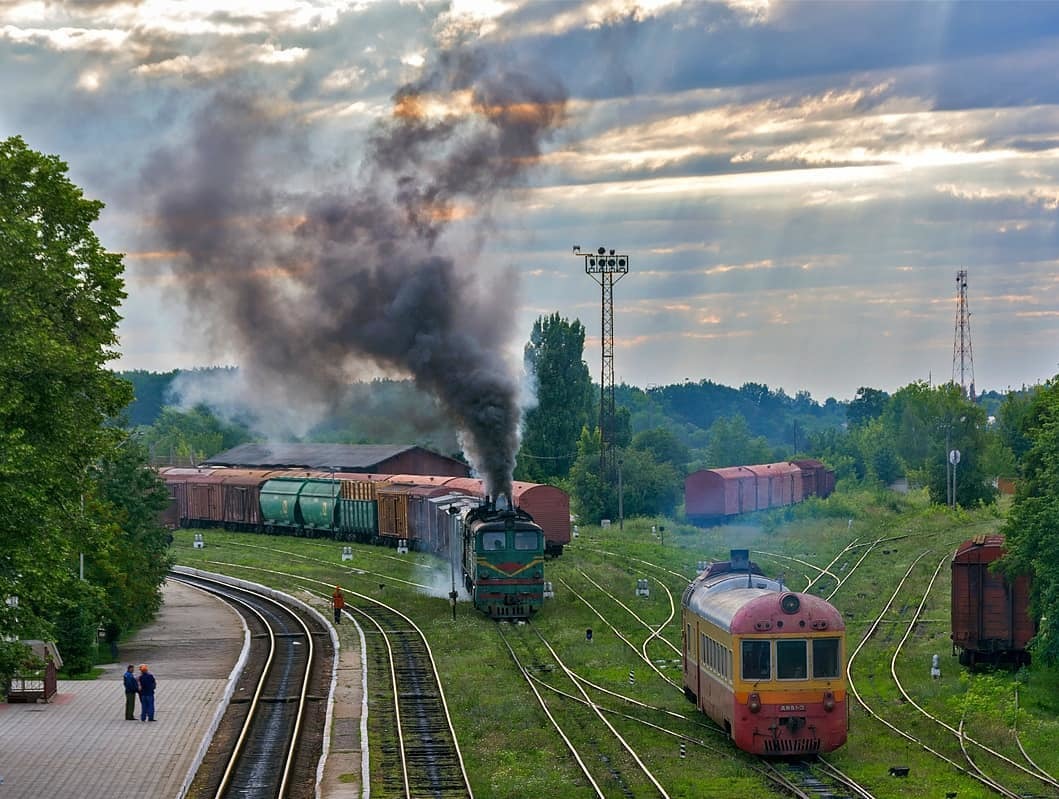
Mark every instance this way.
x=132 y=687
x=337 y=603
x=147 y=686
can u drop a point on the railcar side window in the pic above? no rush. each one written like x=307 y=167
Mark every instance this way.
x=527 y=541
x=825 y=657
x=492 y=541
x=790 y=660
x=757 y=657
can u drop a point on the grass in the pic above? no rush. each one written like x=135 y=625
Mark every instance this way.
x=511 y=749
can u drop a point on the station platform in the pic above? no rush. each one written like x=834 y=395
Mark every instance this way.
x=79 y=745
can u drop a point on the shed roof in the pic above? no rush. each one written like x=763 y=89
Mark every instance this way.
x=340 y=457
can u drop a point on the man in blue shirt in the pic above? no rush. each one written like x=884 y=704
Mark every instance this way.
x=131 y=689
x=147 y=684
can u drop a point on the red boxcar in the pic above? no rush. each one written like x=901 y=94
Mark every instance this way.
x=991 y=618
x=713 y=494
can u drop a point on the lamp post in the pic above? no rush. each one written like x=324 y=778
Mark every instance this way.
x=621 y=496
x=453 y=594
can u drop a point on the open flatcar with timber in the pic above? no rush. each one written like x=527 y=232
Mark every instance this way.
x=765 y=663
x=503 y=560
x=991 y=621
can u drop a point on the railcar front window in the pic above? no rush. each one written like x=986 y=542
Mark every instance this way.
x=825 y=657
x=790 y=660
x=493 y=541
x=527 y=541
x=757 y=660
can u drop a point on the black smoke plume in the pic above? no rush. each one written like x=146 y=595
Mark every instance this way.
x=307 y=283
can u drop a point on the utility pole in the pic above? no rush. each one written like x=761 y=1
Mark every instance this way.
x=606 y=268
x=962 y=356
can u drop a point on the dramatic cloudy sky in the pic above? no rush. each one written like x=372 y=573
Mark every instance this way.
x=796 y=184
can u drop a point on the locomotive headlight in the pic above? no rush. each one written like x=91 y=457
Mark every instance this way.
x=754 y=702
x=829 y=701
x=790 y=604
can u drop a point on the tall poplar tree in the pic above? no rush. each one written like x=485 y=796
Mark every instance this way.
x=554 y=357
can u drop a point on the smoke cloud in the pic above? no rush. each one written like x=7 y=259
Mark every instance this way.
x=308 y=285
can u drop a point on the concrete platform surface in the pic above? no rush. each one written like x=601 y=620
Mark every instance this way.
x=79 y=746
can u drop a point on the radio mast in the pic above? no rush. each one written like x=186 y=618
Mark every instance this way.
x=606 y=268
x=962 y=356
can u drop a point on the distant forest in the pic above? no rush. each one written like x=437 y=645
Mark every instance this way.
x=395 y=411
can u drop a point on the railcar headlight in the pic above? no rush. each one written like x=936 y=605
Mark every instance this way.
x=754 y=703
x=829 y=701
x=790 y=604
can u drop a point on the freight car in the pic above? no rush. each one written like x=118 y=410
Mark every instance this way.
x=765 y=663
x=503 y=561
x=500 y=552
x=714 y=495
x=991 y=621
x=549 y=506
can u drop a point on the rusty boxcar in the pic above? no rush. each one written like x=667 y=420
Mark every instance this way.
x=991 y=620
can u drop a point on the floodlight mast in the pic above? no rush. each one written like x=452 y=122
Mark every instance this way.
x=606 y=267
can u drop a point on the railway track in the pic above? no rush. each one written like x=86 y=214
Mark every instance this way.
x=964 y=739
x=624 y=770
x=269 y=745
x=418 y=751
x=411 y=728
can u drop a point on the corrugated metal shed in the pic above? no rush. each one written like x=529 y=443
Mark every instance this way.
x=392 y=459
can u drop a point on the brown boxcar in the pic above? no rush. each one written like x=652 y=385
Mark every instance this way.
x=778 y=484
x=991 y=620
x=241 y=497
x=186 y=491
x=403 y=511
x=549 y=506
x=714 y=494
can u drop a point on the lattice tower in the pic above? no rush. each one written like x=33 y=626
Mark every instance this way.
x=606 y=267
x=962 y=355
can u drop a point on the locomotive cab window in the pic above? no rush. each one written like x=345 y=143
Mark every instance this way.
x=825 y=657
x=527 y=541
x=791 y=660
x=493 y=541
x=757 y=660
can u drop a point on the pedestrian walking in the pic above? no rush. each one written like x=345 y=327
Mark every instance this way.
x=337 y=603
x=132 y=687
x=147 y=686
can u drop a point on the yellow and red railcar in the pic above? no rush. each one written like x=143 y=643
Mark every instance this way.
x=765 y=663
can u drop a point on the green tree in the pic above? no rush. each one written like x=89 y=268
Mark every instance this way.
x=649 y=487
x=59 y=294
x=868 y=404
x=589 y=493
x=926 y=423
x=731 y=444
x=664 y=446
x=1032 y=527
x=554 y=356
x=191 y=435
x=1012 y=420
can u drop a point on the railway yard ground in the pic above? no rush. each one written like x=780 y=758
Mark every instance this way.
x=539 y=709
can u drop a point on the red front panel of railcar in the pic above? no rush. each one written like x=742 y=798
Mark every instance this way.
x=792 y=724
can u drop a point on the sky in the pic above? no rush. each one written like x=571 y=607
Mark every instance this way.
x=795 y=185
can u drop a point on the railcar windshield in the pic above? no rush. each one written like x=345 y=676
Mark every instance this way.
x=825 y=657
x=757 y=660
x=494 y=541
x=791 y=660
x=527 y=540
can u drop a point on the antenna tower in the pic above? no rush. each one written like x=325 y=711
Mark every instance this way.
x=962 y=356
x=606 y=268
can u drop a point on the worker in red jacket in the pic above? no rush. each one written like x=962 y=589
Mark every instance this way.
x=337 y=603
